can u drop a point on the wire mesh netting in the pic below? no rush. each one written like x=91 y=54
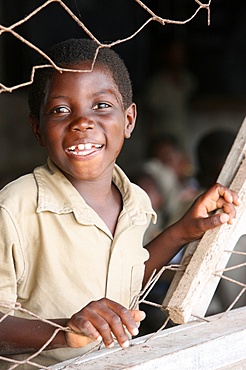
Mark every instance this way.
x=234 y=272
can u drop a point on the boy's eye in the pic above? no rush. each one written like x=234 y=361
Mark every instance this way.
x=101 y=105
x=60 y=110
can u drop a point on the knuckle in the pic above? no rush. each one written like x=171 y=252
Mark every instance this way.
x=124 y=311
x=104 y=327
x=102 y=300
x=220 y=189
x=85 y=325
x=91 y=304
x=219 y=185
x=115 y=320
x=76 y=320
x=213 y=222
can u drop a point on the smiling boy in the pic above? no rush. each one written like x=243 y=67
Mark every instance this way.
x=71 y=232
x=98 y=124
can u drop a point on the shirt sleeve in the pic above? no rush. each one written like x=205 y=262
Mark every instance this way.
x=11 y=257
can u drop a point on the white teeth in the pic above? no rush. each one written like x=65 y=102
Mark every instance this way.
x=87 y=146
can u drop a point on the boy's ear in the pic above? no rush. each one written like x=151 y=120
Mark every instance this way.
x=130 y=117
x=34 y=123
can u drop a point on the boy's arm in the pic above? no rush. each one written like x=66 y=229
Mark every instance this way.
x=198 y=219
x=18 y=335
x=103 y=320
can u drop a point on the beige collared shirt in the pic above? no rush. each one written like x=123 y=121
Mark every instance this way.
x=57 y=254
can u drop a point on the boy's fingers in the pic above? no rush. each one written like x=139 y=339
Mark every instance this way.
x=224 y=218
x=77 y=340
x=215 y=220
x=229 y=195
x=106 y=319
x=83 y=332
x=138 y=315
x=218 y=192
x=122 y=320
x=218 y=197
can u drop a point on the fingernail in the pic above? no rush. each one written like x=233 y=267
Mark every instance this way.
x=125 y=344
x=111 y=345
x=99 y=338
x=135 y=331
x=224 y=217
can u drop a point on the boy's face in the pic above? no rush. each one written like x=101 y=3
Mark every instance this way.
x=83 y=124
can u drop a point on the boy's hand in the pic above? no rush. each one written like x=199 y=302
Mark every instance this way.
x=103 y=320
x=200 y=216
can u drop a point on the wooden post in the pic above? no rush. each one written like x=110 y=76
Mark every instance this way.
x=192 y=290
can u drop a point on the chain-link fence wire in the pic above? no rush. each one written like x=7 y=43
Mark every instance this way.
x=10 y=307
x=152 y=18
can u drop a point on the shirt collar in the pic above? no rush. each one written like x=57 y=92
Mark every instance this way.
x=56 y=194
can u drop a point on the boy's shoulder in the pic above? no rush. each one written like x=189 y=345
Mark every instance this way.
x=21 y=189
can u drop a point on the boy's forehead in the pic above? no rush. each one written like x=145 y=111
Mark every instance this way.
x=99 y=77
x=85 y=68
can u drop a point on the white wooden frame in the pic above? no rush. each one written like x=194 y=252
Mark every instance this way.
x=200 y=345
x=192 y=290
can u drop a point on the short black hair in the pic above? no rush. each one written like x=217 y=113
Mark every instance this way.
x=67 y=54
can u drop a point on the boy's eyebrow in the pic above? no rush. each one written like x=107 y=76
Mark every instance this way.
x=101 y=92
x=115 y=92
x=107 y=91
x=58 y=96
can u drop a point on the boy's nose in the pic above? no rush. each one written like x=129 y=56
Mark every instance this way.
x=82 y=123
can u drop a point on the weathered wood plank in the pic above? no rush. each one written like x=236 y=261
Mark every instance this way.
x=234 y=158
x=218 y=343
x=192 y=290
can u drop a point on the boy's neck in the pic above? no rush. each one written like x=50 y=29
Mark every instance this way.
x=104 y=198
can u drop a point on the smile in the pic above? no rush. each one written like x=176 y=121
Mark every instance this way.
x=84 y=149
